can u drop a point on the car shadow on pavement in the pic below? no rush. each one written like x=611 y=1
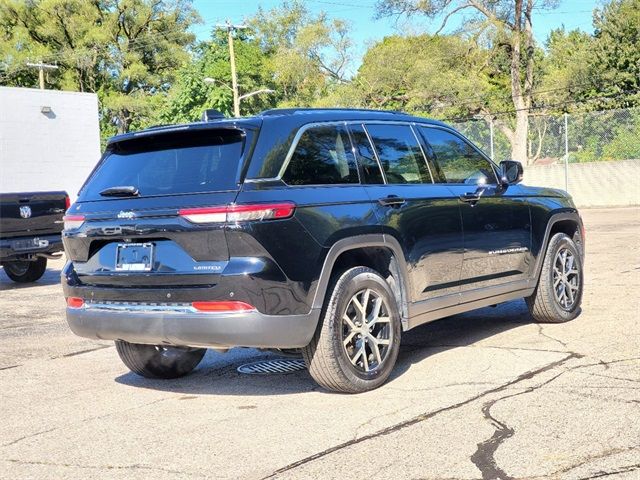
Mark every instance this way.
x=51 y=277
x=218 y=376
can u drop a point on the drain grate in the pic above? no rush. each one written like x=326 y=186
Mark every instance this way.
x=269 y=367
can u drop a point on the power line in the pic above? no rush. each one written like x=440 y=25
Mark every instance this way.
x=540 y=107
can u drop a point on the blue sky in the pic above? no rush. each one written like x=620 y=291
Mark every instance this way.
x=365 y=30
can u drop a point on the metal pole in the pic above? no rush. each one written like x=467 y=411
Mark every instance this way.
x=234 y=78
x=566 y=152
x=232 y=59
x=41 y=68
x=491 y=134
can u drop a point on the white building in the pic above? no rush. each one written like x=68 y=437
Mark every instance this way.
x=49 y=140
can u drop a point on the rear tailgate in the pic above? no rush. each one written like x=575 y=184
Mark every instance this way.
x=139 y=239
x=31 y=213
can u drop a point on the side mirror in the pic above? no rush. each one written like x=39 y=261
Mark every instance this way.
x=511 y=172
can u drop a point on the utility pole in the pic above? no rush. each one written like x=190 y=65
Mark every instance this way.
x=234 y=77
x=41 y=68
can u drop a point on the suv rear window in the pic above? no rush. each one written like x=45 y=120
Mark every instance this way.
x=169 y=164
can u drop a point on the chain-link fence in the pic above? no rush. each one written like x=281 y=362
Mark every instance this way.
x=593 y=155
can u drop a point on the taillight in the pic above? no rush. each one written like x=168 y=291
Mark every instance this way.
x=67 y=203
x=222 y=306
x=72 y=222
x=238 y=213
x=75 y=302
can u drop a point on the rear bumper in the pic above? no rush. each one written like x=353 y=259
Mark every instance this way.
x=179 y=326
x=16 y=248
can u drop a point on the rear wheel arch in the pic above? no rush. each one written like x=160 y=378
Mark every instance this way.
x=378 y=252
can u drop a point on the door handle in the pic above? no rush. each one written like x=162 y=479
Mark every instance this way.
x=392 y=201
x=470 y=197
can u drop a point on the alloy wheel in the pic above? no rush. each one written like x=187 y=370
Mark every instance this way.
x=366 y=331
x=566 y=279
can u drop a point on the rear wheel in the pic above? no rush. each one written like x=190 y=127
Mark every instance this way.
x=159 y=361
x=357 y=344
x=23 y=271
x=558 y=296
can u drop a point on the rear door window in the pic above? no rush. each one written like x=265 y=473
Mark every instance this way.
x=171 y=164
x=322 y=156
x=399 y=153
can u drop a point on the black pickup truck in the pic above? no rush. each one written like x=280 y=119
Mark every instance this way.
x=30 y=226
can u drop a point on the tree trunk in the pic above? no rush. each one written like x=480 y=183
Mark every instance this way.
x=124 y=121
x=521 y=97
x=520 y=134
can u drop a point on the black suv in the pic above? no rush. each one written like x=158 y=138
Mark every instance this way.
x=330 y=231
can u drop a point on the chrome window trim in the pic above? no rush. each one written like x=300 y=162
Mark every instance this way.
x=346 y=123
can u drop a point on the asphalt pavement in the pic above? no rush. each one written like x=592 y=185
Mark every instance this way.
x=487 y=394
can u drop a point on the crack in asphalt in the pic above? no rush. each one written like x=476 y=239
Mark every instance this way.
x=591 y=458
x=550 y=337
x=101 y=467
x=425 y=416
x=484 y=456
x=84 y=420
x=81 y=352
x=9 y=367
x=625 y=469
x=411 y=347
x=484 y=459
x=31 y=435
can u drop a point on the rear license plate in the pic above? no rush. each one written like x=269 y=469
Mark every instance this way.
x=134 y=257
x=30 y=244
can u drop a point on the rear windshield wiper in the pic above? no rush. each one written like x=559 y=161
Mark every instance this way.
x=125 y=191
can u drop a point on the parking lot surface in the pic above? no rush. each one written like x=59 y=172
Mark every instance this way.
x=487 y=394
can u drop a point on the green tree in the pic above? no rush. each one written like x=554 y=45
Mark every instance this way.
x=190 y=95
x=567 y=67
x=308 y=53
x=511 y=28
x=124 y=50
x=616 y=53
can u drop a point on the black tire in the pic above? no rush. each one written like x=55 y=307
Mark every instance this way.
x=25 y=271
x=158 y=361
x=546 y=305
x=326 y=356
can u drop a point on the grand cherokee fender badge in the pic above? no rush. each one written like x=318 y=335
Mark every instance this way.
x=505 y=251
x=126 y=215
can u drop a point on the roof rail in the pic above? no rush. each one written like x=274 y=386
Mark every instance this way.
x=288 y=111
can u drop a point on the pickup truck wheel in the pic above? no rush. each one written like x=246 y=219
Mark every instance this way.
x=558 y=295
x=25 y=271
x=159 y=361
x=357 y=344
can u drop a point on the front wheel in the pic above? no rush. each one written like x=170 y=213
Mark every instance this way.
x=558 y=296
x=357 y=344
x=159 y=361
x=24 y=271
